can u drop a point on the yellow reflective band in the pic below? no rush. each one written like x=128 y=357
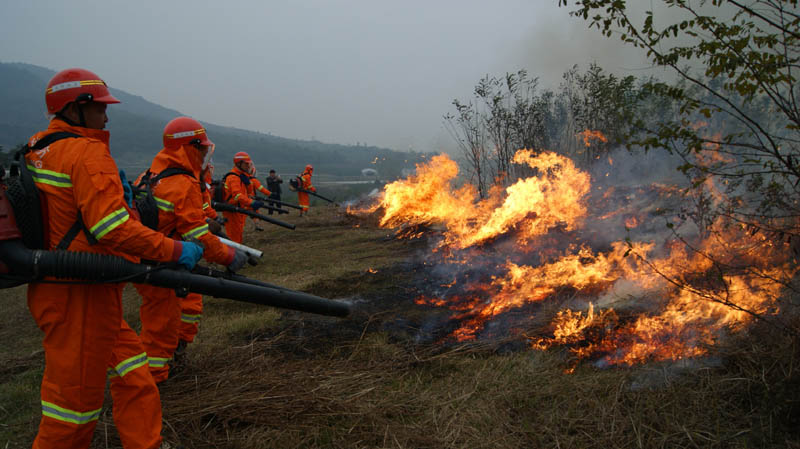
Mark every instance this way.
x=186 y=134
x=157 y=362
x=109 y=223
x=73 y=85
x=71 y=416
x=190 y=319
x=206 y=206
x=196 y=232
x=131 y=364
x=50 y=177
x=237 y=196
x=164 y=205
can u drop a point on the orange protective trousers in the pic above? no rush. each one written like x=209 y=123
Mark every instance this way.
x=302 y=201
x=234 y=227
x=191 y=312
x=85 y=342
x=160 y=313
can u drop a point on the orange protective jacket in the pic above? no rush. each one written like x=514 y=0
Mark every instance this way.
x=256 y=186
x=79 y=176
x=305 y=183
x=236 y=192
x=206 y=189
x=180 y=202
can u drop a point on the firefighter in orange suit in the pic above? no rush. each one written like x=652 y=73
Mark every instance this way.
x=305 y=184
x=237 y=192
x=192 y=304
x=256 y=187
x=180 y=212
x=86 y=341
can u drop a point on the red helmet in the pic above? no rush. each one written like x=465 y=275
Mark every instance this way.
x=183 y=130
x=71 y=85
x=309 y=168
x=241 y=157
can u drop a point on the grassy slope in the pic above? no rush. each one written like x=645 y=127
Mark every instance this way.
x=258 y=377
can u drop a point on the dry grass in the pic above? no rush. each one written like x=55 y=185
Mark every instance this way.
x=262 y=378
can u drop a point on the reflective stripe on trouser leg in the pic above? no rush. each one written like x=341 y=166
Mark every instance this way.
x=80 y=325
x=160 y=313
x=136 y=402
x=191 y=313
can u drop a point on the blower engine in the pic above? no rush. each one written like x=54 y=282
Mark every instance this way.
x=22 y=260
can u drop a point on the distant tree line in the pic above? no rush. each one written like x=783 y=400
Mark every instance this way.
x=509 y=113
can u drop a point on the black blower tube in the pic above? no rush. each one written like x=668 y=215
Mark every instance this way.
x=102 y=267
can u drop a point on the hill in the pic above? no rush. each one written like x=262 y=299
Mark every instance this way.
x=136 y=125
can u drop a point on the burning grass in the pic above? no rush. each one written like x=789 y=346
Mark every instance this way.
x=387 y=377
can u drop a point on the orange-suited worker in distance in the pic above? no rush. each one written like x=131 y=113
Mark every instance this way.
x=86 y=340
x=192 y=304
x=236 y=189
x=180 y=212
x=256 y=187
x=304 y=182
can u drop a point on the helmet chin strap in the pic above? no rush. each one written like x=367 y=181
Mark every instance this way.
x=60 y=114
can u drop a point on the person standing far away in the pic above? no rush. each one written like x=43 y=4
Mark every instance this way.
x=256 y=187
x=174 y=176
x=274 y=185
x=236 y=190
x=304 y=182
x=86 y=340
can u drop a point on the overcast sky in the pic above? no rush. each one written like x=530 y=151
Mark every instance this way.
x=340 y=71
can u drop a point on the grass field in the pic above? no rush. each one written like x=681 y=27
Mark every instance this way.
x=259 y=377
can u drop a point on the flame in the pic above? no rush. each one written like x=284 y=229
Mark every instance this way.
x=674 y=302
x=530 y=207
x=588 y=135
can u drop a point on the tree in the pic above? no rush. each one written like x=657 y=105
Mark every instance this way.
x=467 y=128
x=737 y=123
x=601 y=102
x=737 y=62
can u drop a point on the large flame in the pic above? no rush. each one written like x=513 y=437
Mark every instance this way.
x=674 y=298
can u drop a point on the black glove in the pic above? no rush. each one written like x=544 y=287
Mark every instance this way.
x=239 y=259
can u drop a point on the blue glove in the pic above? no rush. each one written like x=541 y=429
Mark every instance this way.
x=127 y=191
x=190 y=254
x=257 y=205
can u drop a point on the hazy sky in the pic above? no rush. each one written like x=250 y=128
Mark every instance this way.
x=341 y=71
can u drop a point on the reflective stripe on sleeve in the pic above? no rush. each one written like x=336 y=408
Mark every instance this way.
x=131 y=364
x=164 y=205
x=50 y=177
x=63 y=414
x=109 y=223
x=206 y=206
x=191 y=319
x=196 y=232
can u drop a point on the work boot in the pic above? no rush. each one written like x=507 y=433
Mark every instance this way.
x=180 y=352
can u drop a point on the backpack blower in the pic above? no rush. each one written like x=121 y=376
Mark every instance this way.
x=23 y=259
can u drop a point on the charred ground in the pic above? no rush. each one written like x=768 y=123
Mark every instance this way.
x=389 y=376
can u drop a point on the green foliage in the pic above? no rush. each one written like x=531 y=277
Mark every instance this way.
x=510 y=113
x=737 y=116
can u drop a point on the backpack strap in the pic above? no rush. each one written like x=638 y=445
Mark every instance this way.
x=171 y=171
x=223 y=185
x=44 y=142
x=73 y=231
